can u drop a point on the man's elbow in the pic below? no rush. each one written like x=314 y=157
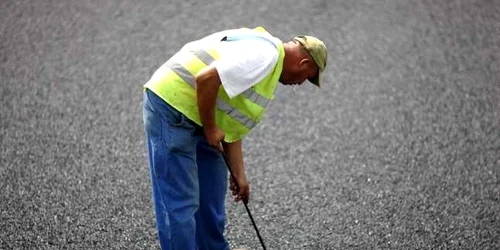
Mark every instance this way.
x=207 y=77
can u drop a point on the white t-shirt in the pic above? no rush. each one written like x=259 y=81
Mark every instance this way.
x=244 y=60
x=243 y=63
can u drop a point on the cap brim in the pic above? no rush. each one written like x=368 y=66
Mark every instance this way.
x=316 y=80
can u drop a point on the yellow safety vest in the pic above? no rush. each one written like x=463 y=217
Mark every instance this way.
x=174 y=82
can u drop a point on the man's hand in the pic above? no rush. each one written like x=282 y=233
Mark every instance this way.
x=238 y=182
x=214 y=137
x=240 y=189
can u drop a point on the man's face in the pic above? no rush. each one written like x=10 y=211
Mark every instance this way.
x=299 y=72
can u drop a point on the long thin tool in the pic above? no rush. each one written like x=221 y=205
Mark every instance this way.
x=244 y=203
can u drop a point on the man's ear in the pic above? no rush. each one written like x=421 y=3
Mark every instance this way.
x=304 y=62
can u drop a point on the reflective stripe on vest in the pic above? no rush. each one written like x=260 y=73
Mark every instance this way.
x=250 y=94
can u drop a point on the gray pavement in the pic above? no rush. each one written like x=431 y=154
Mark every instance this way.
x=399 y=150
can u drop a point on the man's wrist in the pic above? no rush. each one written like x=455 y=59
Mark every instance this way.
x=240 y=176
x=209 y=128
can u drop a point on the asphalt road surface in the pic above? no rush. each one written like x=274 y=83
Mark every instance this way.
x=399 y=150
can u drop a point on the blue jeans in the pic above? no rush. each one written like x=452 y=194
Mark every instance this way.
x=188 y=177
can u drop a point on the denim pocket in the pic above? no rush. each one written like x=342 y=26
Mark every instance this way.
x=181 y=120
x=178 y=134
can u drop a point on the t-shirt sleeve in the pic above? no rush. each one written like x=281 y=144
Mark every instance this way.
x=244 y=63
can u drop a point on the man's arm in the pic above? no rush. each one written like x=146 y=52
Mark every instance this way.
x=207 y=87
x=239 y=185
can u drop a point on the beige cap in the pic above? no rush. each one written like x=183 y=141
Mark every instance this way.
x=317 y=50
